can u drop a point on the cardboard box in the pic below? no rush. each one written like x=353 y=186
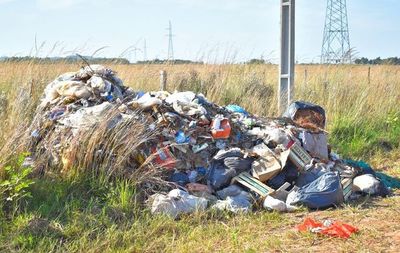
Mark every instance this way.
x=268 y=166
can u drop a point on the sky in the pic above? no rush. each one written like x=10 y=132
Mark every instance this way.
x=206 y=30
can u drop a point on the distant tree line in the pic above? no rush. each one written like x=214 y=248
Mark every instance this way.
x=362 y=60
x=378 y=61
x=92 y=60
x=256 y=61
x=67 y=59
x=176 y=61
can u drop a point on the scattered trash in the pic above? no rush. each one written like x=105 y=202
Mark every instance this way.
x=222 y=156
x=366 y=183
x=236 y=204
x=230 y=191
x=268 y=166
x=300 y=157
x=328 y=227
x=347 y=186
x=164 y=157
x=180 y=178
x=236 y=108
x=196 y=187
x=253 y=184
x=176 y=202
x=315 y=144
x=272 y=203
x=306 y=115
x=220 y=127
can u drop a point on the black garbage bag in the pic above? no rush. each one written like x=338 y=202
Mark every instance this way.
x=289 y=174
x=300 y=108
x=219 y=176
x=223 y=154
x=239 y=164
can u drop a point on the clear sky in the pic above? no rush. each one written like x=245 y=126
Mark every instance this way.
x=206 y=30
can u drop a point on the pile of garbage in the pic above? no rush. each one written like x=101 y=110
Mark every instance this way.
x=218 y=157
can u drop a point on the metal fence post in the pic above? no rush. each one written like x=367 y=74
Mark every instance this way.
x=286 y=66
x=163 y=80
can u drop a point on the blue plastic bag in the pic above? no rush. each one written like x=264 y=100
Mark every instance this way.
x=325 y=191
x=236 y=108
x=180 y=178
x=309 y=176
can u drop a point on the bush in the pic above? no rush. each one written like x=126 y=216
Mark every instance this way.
x=14 y=187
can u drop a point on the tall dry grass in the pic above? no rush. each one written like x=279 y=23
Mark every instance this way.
x=345 y=91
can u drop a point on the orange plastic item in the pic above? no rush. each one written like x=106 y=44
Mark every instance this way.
x=223 y=131
x=163 y=157
x=336 y=229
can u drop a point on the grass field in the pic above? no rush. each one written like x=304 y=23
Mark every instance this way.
x=83 y=213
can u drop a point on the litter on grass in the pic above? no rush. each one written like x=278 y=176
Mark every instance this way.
x=328 y=227
x=190 y=153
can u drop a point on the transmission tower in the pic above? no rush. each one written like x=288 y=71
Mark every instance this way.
x=336 y=41
x=170 y=45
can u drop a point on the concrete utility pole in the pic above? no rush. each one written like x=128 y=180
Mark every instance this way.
x=286 y=66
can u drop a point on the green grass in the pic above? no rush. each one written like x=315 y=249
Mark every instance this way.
x=87 y=213
x=365 y=138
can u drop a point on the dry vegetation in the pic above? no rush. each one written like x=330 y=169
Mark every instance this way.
x=90 y=214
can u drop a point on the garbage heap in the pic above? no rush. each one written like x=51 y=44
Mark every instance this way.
x=218 y=157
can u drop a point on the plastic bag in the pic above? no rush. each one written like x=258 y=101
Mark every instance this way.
x=367 y=184
x=238 y=164
x=180 y=178
x=235 y=204
x=230 y=191
x=222 y=154
x=183 y=97
x=271 y=203
x=236 y=108
x=309 y=176
x=315 y=144
x=176 y=202
x=336 y=228
x=86 y=117
x=219 y=176
x=324 y=192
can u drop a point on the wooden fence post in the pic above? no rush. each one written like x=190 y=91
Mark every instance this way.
x=163 y=80
x=369 y=74
x=305 y=75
